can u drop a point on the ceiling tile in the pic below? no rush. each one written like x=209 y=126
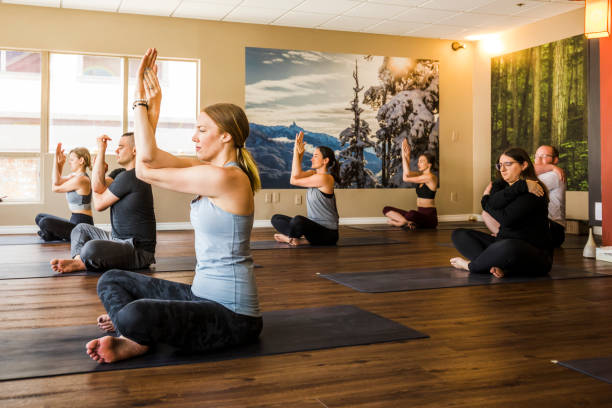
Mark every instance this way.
x=100 y=5
x=439 y=31
x=407 y=3
x=255 y=15
x=474 y=20
x=43 y=3
x=393 y=27
x=302 y=19
x=155 y=7
x=327 y=6
x=551 y=9
x=347 y=23
x=375 y=10
x=505 y=7
x=460 y=5
x=273 y=4
x=422 y=15
x=202 y=10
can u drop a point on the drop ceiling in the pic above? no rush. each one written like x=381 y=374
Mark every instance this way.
x=448 y=19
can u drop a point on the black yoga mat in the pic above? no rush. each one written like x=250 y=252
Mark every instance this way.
x=400 y=280
x=342 y=242
x=43 y=269
x=600 y=368
x=26 y=240
x=441 y=226
x=30 y=353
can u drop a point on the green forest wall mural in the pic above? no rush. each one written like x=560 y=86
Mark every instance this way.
x=538 y=96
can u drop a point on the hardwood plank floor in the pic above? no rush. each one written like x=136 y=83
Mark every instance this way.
x=490 y=346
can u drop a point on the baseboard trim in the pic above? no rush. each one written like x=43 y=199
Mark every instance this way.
x=177 y=226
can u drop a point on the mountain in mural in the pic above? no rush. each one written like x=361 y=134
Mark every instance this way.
x=272 y=149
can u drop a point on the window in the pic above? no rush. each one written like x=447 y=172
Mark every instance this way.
x=179 y=103
x=20 y=132
x=87 y=98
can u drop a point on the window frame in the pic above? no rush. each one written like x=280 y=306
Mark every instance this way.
x=45 y=98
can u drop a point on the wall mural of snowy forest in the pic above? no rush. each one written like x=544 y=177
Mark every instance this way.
x=361 y=106
x=538 y=96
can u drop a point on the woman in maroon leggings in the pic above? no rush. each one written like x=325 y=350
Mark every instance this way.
x=425 y=216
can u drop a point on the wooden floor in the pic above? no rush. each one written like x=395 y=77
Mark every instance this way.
x=490 y=346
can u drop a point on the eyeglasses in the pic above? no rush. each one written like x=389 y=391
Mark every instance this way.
x=498 y=166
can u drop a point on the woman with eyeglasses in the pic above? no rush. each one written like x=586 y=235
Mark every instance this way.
x=519 y=202
x=425 y=216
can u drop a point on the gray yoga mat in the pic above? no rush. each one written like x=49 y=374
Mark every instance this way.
x=31 y=353
x=43 y=269
x=400 y=280
x=342 y=242
x=600 y=368
x=26 y=240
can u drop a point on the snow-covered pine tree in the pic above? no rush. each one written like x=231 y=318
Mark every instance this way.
x=353 y=171
x=407 y=101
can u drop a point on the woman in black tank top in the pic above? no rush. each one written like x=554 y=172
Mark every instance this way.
x=426 y=215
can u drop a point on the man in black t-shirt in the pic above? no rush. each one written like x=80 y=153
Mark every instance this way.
x=131 y=243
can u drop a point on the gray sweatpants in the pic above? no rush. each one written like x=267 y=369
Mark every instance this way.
x=100 y=252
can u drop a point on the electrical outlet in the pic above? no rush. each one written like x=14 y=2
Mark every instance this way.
x=276 y=197
x=268 y=198
x=454 y=196
x=298 y=199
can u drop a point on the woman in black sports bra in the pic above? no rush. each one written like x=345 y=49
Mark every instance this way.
x=426 y=215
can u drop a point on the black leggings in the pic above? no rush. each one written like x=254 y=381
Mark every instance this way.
x=54 y=228
x=514 y=256
x=299 y=226
x=150 y=311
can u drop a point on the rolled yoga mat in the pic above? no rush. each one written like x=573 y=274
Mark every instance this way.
x=31 y=353
x=26 y=240
x=600 y=368
x=43 y=269
x=400 y=280
x=342 y=242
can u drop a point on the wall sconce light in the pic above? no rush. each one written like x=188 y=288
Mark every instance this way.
x=597 y=18
x=456 y=46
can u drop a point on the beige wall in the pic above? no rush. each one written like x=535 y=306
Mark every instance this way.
x=552 y=29
x=220 y=48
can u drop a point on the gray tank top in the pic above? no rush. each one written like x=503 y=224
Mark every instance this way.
x=321 y=209
x=224 y=269
x=77 y=202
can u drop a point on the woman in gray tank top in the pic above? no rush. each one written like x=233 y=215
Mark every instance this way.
x=220 y=308
x=321 y=226
x=77 y=187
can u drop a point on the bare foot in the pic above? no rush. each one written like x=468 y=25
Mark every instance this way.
x=460 y=263
x=298 y=241
x=281 y=238
x=67 y=265
x=497 y=272
x=396 y=223
x=105 y=323
x=110 y=349
x=409 y=225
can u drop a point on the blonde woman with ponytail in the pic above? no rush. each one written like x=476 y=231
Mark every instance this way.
x=77 y=187
x=220 y=308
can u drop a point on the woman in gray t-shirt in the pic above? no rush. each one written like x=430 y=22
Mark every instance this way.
x=321 y=226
